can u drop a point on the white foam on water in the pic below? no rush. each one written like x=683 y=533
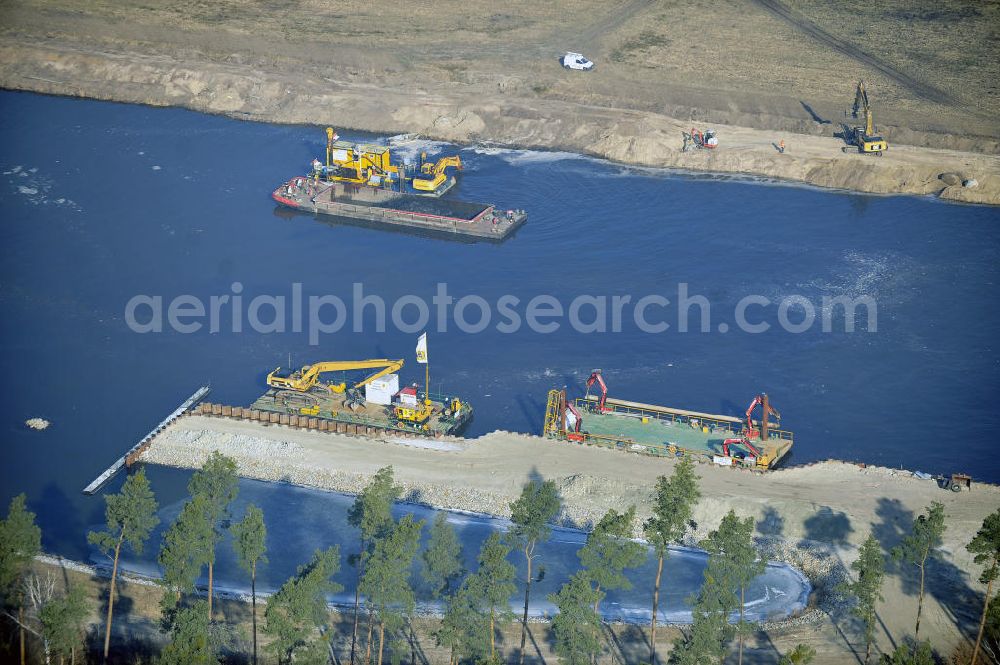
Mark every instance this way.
x=408 y=147
x=519 y=157
x=36 y=188
x=875 y=275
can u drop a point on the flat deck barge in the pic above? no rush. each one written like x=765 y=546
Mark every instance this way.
x=662 y=431
x=401 y=209
x=333 y=414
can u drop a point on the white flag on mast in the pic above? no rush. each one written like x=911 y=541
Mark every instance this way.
x=422 y=349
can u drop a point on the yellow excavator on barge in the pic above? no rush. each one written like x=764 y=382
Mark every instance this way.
x=375 y=400
x=372 y=165
x=361 y=181
x=305 y=379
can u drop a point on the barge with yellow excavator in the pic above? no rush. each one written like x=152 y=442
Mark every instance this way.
x=665 y=431
x=371 y=403
x=362 y=182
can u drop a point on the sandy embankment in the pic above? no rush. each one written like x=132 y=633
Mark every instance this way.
x=812 y=516
x=632 y=137
x=475 y=72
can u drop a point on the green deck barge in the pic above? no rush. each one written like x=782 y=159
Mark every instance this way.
x=661 y=431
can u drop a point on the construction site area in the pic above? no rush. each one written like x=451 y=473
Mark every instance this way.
x=890 y=98
x=364 y=183
x=805 y=513
x=375 y=402
x=661 y=431
x=775 y=82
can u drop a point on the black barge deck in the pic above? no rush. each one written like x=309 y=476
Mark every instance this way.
x=383 y=206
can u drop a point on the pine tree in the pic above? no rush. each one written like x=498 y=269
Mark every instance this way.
x=609 y=551
x=130 y=517
x=673 y=505
x=802 y=654
x=296 y=612
x=732 y=548
x=442 y=559
x=459 y=630
x=249 y=541
x=218 y=483
x=705 y=643
x=530 y=516
x=64 y=622
x=190 y=640
x=866 y=590
x=492 y=585
x=386 y=582
x=577 y=626
x=919 y=654
x=986 y=548
x=371 y=514
x=918 y=547
x=20 y=543
x=185 y=550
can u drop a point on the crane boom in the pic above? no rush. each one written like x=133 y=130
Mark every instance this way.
x=861 y=106
x=764 y=402
x=596 y=377
x=306 y=378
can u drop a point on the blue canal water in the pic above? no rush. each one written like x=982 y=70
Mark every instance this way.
x=102 y=202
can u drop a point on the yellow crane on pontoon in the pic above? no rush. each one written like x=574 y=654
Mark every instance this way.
x=360 y=164
x=437 y=172
x=303 y=380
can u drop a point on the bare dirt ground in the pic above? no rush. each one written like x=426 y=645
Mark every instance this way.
x=758 y=72
x=829 y=507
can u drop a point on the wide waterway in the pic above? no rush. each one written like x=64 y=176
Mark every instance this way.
x=102 y=202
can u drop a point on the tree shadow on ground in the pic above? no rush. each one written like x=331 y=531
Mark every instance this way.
x=828 y=526
x=944 y=581
x=894 y=523
x=834 y=528
x=341 y=627
x=771 y=523
x=761 y=649
x=416 y=650
x=631 y=643
x=532 y=649
x=124 y=604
